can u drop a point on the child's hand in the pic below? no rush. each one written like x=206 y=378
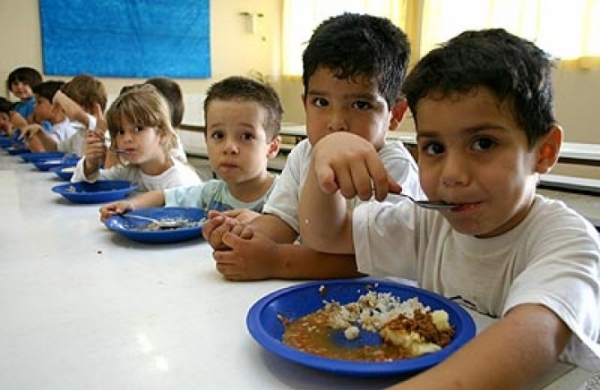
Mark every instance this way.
x=241 y=215
x=115 y=208
x=94 y=151
x=354 y=170
x=251 y=257
x=214 y=228
x=30 y=131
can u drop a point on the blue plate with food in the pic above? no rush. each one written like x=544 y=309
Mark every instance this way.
x=101 y=191
x=360 y=327
x=41 y=156
x=64 y=171
x=159 y=225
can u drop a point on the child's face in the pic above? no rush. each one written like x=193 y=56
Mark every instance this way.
x=142 y=144
x=21 y=90
x=5 y=125
x=238 y=148
x=473 y=153
x=43 y=108
x=355 y=106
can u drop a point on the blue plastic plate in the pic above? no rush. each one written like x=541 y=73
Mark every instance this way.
x=64 y=171
x=17 y=149
x=294 y=302
x=41 y=156
x=99 y=192
x=132 y=227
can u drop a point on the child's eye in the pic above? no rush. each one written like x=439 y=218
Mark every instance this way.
x=120 y=132
x=362 y=105
x=138 y=128
x=320 y=102
x=247 y=136
x=216 y=135
x=483 y=144
x=433 y=148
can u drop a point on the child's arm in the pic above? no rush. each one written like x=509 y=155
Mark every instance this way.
x=154 y=198
x=33 y=132
x=510 y=354
x=73 y=110
x=334 y=174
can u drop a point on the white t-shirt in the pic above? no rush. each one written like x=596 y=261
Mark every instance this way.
x=551 y=258
x=284 y=200
x=212 y=195
x=62 y=131
x=180 y=174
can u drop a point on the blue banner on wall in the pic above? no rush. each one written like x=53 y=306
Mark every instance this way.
x=126 y=38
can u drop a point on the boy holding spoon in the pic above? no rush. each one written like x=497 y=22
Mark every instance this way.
x=483 y=110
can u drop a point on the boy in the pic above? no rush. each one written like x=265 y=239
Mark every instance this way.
x=353 y=68
x=482 y=105
x=20 y=82
x=242 y=120
x=84 y=100
x=62 y=129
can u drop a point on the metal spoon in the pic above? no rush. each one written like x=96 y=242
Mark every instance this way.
x=161 y=224
x=430 y=204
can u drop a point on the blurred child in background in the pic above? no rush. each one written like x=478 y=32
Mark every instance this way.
x=20 y=83
x=62 y=128
x=242 y=119
x=141 y=137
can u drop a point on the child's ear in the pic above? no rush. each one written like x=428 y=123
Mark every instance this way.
x=398 y=112
x=274 y=145
x=548 y=150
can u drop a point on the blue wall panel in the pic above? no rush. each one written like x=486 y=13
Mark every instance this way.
x=126 y=38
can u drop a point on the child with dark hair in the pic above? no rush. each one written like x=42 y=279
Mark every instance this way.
x=353 y=69
x=20 y=82
x=62 y=129
x=242 y=119
x=483 y=110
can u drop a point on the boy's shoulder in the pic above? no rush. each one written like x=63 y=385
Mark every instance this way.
x=554 y=216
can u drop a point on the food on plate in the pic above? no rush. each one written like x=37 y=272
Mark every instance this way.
x=376 y=327
x=159 y=225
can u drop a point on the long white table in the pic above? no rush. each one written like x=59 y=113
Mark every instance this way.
x=83 y=308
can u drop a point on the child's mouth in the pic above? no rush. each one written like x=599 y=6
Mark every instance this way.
x=464 y=207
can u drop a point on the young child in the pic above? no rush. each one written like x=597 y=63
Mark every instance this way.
x=20 y=82
x=84 y=100
x=482 y=105
x=37 y=139
x=353 y=68
x=242 y=120
x=141 y=136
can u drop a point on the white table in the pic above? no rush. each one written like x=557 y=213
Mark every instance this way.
x=82 y=308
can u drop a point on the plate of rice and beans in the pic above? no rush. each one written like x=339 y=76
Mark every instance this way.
x=360 y=327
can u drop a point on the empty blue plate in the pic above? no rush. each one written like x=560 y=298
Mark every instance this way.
x=41 y=156
x=134 y=228
x=294 y=302
x=101 y=191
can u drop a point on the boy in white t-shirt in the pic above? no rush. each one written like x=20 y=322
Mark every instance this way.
x=242 y=119
x=482 y=105
x=39 y=140
x=353 y=69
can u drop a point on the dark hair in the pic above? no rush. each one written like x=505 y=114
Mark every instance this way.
x=25 y=75
x=352 y=45
x=47 y=89
x=86 y=91
x=174 y=96
x=237 y=88
x=513 y=69
x=5 y=106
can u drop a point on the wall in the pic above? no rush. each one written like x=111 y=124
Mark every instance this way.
x=235 y=50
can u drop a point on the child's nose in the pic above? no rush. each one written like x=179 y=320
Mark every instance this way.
x=455 y=171
x=231 y=146
x=337 y=121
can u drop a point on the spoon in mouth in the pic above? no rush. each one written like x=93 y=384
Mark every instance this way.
x=431 y=204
